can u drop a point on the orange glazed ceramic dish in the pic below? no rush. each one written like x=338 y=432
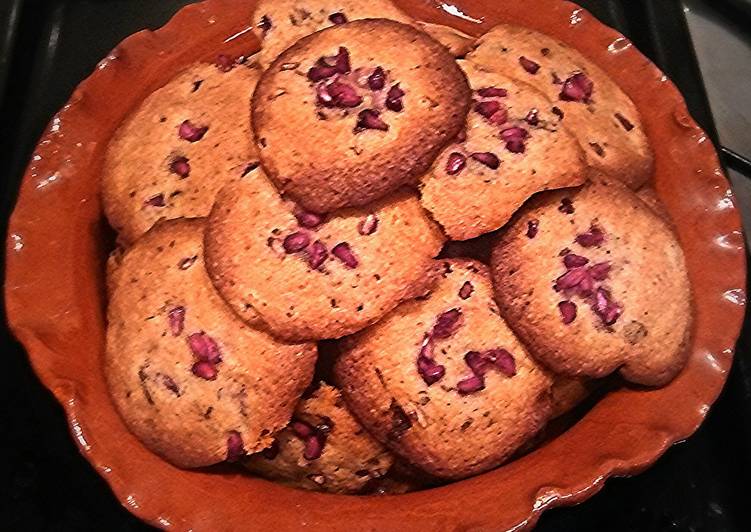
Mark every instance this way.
x=56 y=293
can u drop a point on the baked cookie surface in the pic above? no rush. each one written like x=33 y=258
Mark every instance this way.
x=373 y=118
x=513 y=147
x=172 y=155
x=595 y=282
x=443 y=381
x=324 y=448
x=593 y=106
x=281 y=23
x=190 y=380
x=312 y=277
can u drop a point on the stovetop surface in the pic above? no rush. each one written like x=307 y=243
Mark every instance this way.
x=48 y=47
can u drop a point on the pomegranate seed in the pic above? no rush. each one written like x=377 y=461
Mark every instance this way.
x=190 y=132
x=571 y=278
x=296 y=242
x=155 y=201
x=317 y=255
x=492 y=92
x=323 y=96
x=466 y=290
x=340 y=95
x=487 y=108
x=593 y=237
x=532 y=228
x=476 y=363
x=502 y=360
x=585 y=287
x=341 y=61
x=176 y=318
x=430 y=371
x=205 y=370
x=377 y=80
x=307 y=219
x=301 y=429
x=343 y=252
x=574 y=261
x=447 y=323
x=394 y=98
x=607 y=310
x=488 y=159
x=470 y=385
x=500 y=117
x=529 y=65
x=566 y=206
x=600 y=272
x=319 y=73
x=338 y=18
x=370 y=119
x=180 y=166
x=204 y=348
x=313 y=447
x=368 y=226
x=455 y=163
x=577 y=88
x=568 y=311
x=235 y=448
x=426 y=350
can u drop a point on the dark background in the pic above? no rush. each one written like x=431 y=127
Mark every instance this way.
x=47 y=47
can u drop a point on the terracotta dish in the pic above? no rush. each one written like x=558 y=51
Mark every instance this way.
x=58 y=241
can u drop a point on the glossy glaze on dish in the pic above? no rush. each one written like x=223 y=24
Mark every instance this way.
x=56 y=306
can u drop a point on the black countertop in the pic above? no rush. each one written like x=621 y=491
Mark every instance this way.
x=47 y=47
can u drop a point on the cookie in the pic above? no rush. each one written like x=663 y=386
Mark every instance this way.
x=513 y=147
x=374 y=119
x=591 y=104
x=567 y=393
x=310 y=277
x=458 y=43
x=324 y=448
x=649 y=196
x=443 y=381
x=281 y=23
x=190 y=380
x=177 y=149
x=594 y=282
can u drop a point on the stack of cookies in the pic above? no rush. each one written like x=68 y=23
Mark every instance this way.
x=381 y=253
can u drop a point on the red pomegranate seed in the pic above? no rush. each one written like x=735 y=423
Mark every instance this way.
x=272 y=451
x=205 y=370
x=317 y=255
x=487 y=108
x=470 y=385
x=502 y=360
x=488 y=159
x=394 y=98
x=476 y=362
x=341 y=95
x=447 y=323
x=566 y=206
x=514 y=138
x=224 y=62
x=190 y=132
x=500 y=117
x=314 y=447
x=296 y=242
x=577 y=88
x=532 y=228
x=426 y=350
x=585 y=287
x=321 y=72
x=377 y=80
x=533 y=118
x=466 y=290
x=627 y=125
x=574 y=261
x=607 y=310
x=600 y=271
x=568 y=311
x=368 y=225
x=204 y=348
x=309 y=220
x=343 y=252
x=176 y=318
x=156 y=200
x=455 y=163
x=529 y=65
x=235 y=447
x=571 y=278
x=593 y=237
x=341 y=61
x=370 y=119
x=302 y=429
x=429 y=370
x=180 y=166
x=492 y=92
x=338 y=18
x=323 y=96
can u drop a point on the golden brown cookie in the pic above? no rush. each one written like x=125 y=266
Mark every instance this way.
x=281 y=23
x=567 y=393
x=443 y=381
x=172 y=155
x=594 y=282
x=592 y=105
x=190 y=380
x=373 y=118
x=310 y=277
x=649 y=196
x=458 y=43
x=514 y=146
x=324 y=448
